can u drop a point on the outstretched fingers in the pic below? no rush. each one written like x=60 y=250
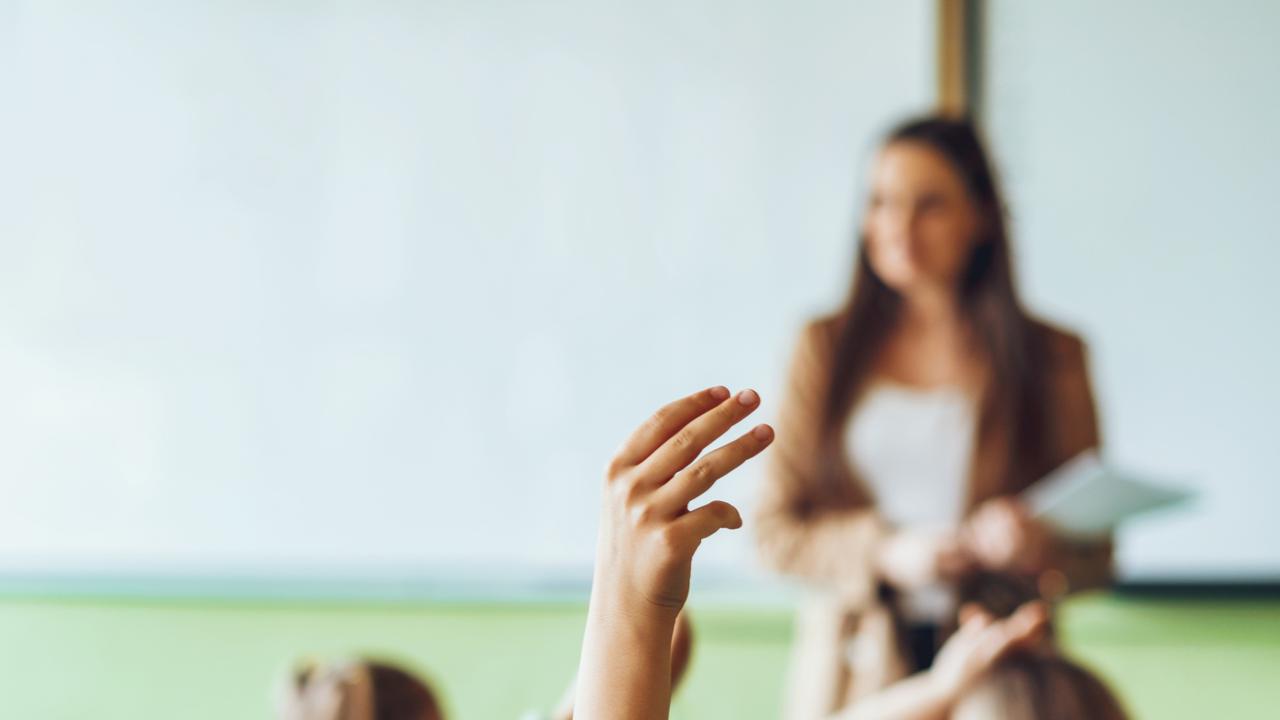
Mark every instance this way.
x=666 y=422
x=683 y=447
x=690 y=483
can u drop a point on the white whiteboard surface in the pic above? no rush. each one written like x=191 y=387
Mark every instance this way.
x=1138 y=142
x=291 y=287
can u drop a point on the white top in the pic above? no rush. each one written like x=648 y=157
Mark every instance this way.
x=913 y=448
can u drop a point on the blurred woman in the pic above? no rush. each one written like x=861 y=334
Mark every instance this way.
x=911 y=421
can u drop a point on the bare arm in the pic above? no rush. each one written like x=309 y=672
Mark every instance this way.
x=648 y=536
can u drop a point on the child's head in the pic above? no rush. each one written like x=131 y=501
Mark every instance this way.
x=1038 y=686
x=358 y=690
x=999 y=594
x=1032 y=683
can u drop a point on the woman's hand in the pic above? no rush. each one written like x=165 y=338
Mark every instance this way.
x=648 y=536
x=980 y=642
x=1002 y=536
x=916 y=558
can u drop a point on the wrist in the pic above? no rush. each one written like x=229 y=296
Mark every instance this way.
x=613 y=600
x=625 y=670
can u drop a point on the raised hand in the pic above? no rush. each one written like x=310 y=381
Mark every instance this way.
x=648 y=536
x=968 y=654
x=980 y=642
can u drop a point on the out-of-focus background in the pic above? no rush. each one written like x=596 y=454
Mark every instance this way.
x=319 y=320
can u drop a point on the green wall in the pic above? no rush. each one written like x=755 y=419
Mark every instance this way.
x=193 y=659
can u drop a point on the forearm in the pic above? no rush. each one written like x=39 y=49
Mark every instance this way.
x=626 y=660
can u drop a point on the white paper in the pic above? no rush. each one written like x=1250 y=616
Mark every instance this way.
x=1085 y=498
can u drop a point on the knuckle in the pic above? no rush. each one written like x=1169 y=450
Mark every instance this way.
x=622 y=489
x=685 y=440
x=613 y=468
x=702 y=474
x=641 y=514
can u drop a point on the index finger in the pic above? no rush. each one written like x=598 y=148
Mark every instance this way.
x=666 y=422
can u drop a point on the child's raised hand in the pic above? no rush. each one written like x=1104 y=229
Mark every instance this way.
x=648 y=534
x=970 y=652
x=981 y=641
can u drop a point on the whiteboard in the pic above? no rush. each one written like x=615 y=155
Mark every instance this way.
x=308 y=288
x=1138 y=144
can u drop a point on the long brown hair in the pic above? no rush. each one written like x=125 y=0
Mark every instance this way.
x=1011 y=342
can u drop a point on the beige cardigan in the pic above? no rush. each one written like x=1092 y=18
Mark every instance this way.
x=832 y=548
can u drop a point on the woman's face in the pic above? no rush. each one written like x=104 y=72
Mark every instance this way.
x=921 y=225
